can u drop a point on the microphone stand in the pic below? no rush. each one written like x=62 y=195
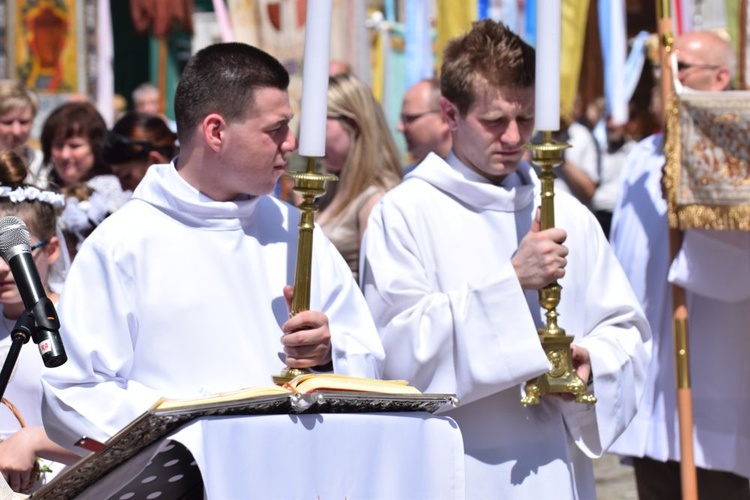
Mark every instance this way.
x=20 y=335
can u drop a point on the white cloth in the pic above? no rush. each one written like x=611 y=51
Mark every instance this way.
x=605 y=195
x=714 y=267
x=345 y=456
x=8 y=494
x=436 y=272
x=24 y=391
x=35 y=162
x=177 y=295
x=583 y=153
x=109 y=185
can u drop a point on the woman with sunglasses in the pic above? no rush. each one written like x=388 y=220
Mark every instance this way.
x=28 y=458
x=137 y=141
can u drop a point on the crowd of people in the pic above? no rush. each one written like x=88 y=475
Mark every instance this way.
x=427 y=267
x=79 y=174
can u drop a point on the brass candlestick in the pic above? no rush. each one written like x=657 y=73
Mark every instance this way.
x=310 y=185
x=562 y=378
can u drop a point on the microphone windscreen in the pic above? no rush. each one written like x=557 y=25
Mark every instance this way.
x=13 y=233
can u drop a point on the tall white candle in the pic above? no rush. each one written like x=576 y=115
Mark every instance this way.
x=312 y=133
x=548 y=36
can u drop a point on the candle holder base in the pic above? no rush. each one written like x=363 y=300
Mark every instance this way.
x=288 y=374
x=561 y=378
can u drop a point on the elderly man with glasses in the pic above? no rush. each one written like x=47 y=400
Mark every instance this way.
x=714 y=268
x=421 y=123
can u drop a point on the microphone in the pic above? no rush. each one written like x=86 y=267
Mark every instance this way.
x=15 y=249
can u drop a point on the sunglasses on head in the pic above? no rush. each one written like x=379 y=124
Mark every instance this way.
x=119 y=148
x=114 y=140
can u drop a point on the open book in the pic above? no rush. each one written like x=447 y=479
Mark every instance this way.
x=303 y=384
x=310 y=393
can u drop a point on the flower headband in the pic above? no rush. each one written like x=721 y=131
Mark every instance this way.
x=80 y=216
x=30 y=193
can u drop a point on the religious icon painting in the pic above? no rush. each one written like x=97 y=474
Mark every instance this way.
x=49 y=45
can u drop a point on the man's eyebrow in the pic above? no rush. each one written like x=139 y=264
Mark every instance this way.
x=281 y=121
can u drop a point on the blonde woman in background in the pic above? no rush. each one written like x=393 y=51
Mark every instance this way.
x=362 y=153
x=18 y=108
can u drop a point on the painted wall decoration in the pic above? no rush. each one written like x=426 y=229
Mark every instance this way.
x=50 y=45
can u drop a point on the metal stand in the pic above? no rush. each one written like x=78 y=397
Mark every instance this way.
x=562 y=378
x=310 y=185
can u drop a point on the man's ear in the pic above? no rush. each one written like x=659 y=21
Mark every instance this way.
x=213 y=128
x=723 y=78
x=155 y=158
x=449 y=112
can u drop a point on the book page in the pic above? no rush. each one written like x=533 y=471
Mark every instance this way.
x=247 y=393
x=307 y=383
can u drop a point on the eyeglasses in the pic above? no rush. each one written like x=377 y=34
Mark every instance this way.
x=39 y=245
x=409 y=119
x=682 y=66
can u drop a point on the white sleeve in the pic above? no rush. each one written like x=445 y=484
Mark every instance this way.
x=714 y=264
x=90 y=395
x=356 y=346
x=583 y=152
x=454 y=341
x=618 y=338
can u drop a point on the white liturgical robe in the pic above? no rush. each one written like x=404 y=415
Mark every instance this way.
x=437 y=274
x=714 y=269
x=177 y=295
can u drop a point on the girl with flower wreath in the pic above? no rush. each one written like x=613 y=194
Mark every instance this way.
x=28 y=458
x=85 y=209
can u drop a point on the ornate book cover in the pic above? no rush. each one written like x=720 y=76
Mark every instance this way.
x=167 y=416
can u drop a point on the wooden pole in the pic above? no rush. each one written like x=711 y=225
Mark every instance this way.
x=162 y=76
x=688 y=473
x=742 y=45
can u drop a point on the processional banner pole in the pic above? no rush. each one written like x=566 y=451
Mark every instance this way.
x=679 y=309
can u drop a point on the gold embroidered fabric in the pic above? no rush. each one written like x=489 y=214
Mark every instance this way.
x=707 y=171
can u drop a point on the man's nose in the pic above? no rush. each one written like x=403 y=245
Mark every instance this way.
x=290 y=143
x=512 y=134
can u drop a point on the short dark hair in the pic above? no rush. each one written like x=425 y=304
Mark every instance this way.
x=222 y=78
x=76 y=119
x=491 y=51
x=135 y=135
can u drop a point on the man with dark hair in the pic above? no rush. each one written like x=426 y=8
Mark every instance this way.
x=182 y=291
x=452 y=262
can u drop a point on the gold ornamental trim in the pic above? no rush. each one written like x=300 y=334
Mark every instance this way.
x=708 y=155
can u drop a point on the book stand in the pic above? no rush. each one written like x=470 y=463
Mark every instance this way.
x=353 y=445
